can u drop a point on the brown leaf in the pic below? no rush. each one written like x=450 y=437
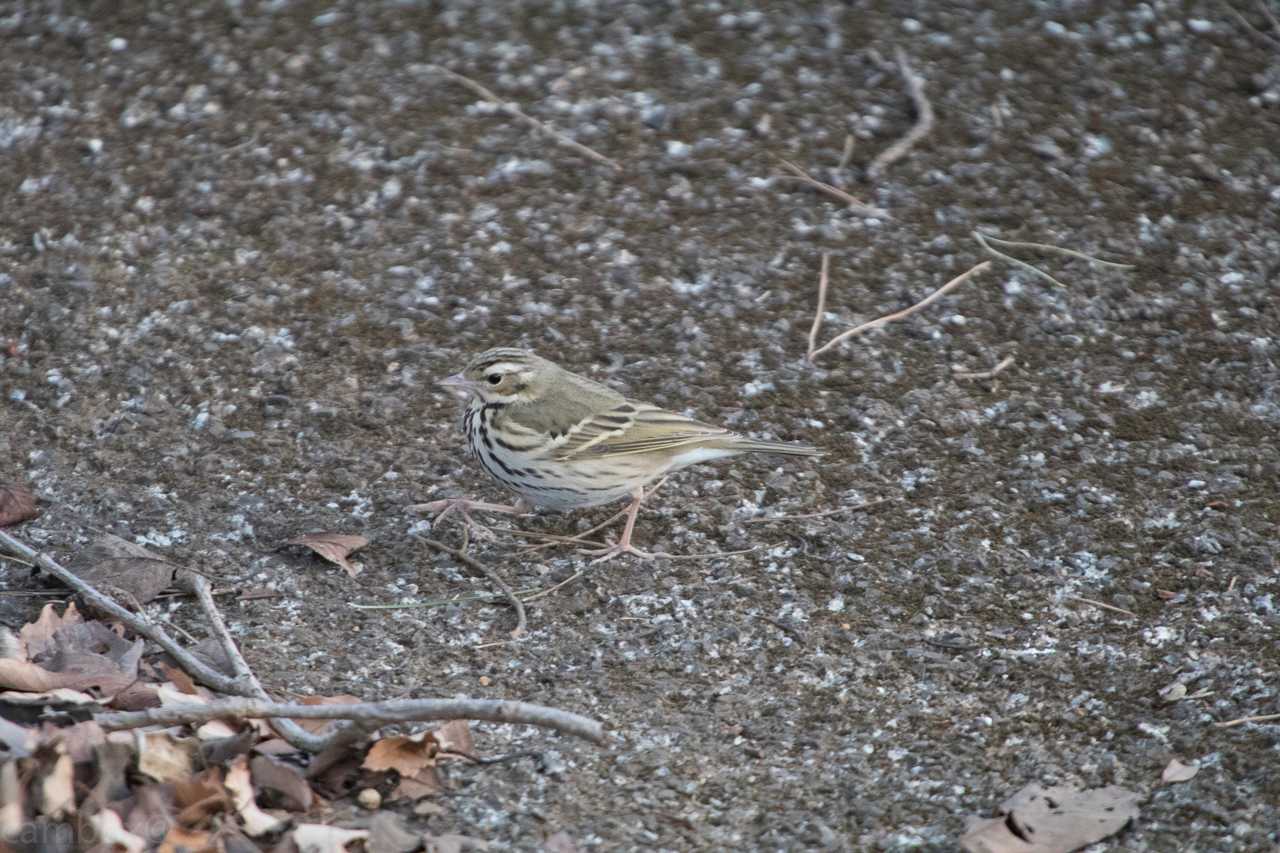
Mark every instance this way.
x=405 y=754
x=152 y=814
x=179 y=840
x=81 y=740
x=425 y=784
x=334 y=547
x=166 y=758
x=113 y=762
x=180 y=679
x=81 y=656
x=113 y=564
x=200 y=797
x=36 y=637
x=56 y=795
x=17 y=504
x=110 y=833
x=1052 y=820
x=13 y=800
x=455 y=736
x=285 y=784
x=1179 y=772
x=238 y=782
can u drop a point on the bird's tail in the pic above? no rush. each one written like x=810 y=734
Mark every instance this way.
x=751 y=445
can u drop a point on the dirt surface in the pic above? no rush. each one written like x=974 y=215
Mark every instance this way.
x=239 y=241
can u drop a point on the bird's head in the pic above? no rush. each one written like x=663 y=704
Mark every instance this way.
x=504 y=376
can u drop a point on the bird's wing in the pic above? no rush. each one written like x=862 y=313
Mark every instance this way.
x=631 y=428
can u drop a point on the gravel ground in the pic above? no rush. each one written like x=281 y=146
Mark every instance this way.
x=240 y=240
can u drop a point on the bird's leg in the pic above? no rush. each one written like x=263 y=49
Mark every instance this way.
x=623 y=545
x=465 y=506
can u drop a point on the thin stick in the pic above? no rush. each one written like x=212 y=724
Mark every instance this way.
x=854 y=204
x=823 y=514
x=139 y=623
x=1260 y=718
x=573 y=577
x=512 y=110
x=471 y=562
x=295 y=734
x=1047 y=247
x=823 y=278
x=391 y=711
x=790 y=630
x=918 y=131
x=1000 y=367
x=1264 y=38
x=905 y=312
x=846 y=154
x=1103 y=605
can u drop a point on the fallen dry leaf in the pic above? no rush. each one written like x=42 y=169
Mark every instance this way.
x=56 y=794
x=318 y=838
x=425 y=784
x=36 y=638
x=285 y=784
x=17 y=504
x=13 y=800
x=405 y=754
x=238 y=782
x=110 y=833
x=200 y=797
x=166 y=758
x=1052 y=820
x=1179 y=772
x=113 y=761
x=111 y=563
x=455 y=736
x=334 y=547
x=179 y=840
x=81 y=739
x=151 y=817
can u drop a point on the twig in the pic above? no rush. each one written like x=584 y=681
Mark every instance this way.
x=823 y=514
x=905 y=312
x=1103 y=605
x=1261 y=36
x=512 y=110
x=790 y=630
x=823 y=279
x=846 y=154
x=1000 y=367
x=573 y=577
x=1260 y=718
x=391 y=711
x=139 y=623
x=985 y=240
x=289 y=730
x=471 y=562
x=854 y=204
x=918 y=131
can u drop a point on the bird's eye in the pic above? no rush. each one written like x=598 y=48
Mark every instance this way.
x=494 y=378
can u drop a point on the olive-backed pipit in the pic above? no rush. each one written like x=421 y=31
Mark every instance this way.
x=563 y=441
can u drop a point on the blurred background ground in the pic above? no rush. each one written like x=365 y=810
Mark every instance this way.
x=240 y=240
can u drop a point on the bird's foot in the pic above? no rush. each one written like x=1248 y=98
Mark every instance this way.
x=464 y=507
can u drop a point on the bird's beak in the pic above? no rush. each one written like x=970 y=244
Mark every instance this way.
x=456 y=381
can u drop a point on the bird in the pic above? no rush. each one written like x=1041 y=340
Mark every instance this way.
x=562 y=441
